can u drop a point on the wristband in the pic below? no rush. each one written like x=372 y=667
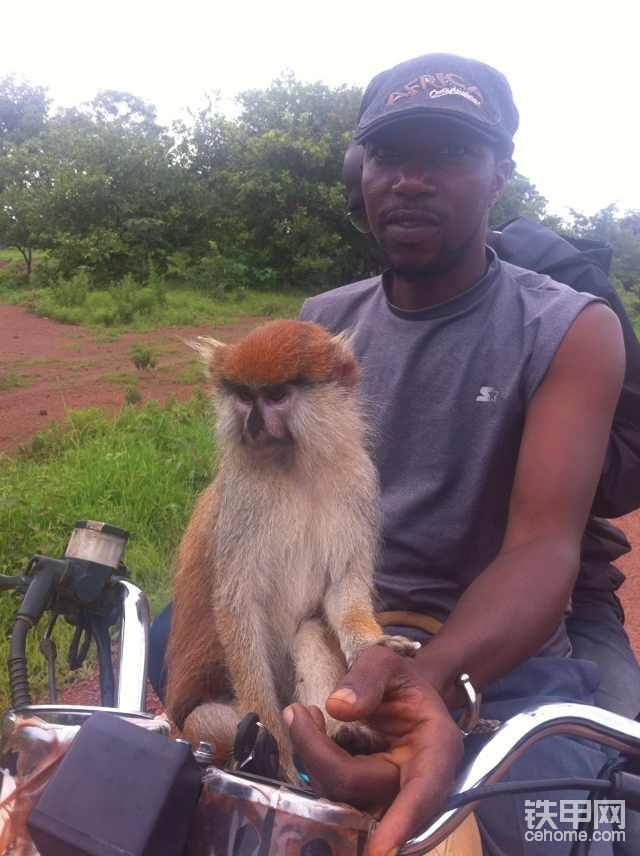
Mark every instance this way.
x=470 y=718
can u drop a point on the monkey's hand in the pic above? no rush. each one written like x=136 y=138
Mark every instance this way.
x=400 y=644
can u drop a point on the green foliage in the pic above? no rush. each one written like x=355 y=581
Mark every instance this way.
x=521 y=198
x=622 y=233
x=23 y=110
x=224 y=206
x=141 y=471
x=72 y=292
x=132 y=395
x=128 y=306
x=11 y=380
x=219 y=275
x=142 y=357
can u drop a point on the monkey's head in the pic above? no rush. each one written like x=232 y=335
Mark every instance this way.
x=281 y=387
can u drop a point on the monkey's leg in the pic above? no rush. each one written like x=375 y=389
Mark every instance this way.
x=320 y=665
x=249 y=655
x=216 y=723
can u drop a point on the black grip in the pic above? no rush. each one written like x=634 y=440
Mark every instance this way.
x=18 y=675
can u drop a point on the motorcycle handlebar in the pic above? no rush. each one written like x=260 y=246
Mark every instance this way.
x=514 y=738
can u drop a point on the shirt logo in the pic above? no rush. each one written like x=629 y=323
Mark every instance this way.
x=488 y=393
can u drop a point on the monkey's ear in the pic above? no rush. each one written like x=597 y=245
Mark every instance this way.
x=345 y=368
x=210 y=350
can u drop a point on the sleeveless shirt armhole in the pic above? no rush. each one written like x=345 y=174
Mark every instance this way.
x=549 y=340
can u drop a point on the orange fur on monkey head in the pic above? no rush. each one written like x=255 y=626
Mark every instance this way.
x=280 y=352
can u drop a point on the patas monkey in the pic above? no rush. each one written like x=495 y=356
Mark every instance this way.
x=275 y=570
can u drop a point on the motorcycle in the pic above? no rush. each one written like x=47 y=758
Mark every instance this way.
x=70 y=773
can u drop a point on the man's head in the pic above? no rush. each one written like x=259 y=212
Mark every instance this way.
x=437 y=136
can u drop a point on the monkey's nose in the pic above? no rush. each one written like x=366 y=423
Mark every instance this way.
x=255 y=422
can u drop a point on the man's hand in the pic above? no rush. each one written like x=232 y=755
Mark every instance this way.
x=409 y=781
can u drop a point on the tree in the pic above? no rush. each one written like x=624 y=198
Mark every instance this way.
x=115 y=194
x=521 y=198
x=622 y=233
x=23 y=111
x=25 y=198
x=273 y=190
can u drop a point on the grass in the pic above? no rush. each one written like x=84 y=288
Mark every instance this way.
x=11 y=380
x=10 y=254
x=191 y=375
x=117 y=310
x=140 y=470
x=120 y=377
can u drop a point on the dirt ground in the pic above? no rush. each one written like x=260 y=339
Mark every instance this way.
x=47 y=368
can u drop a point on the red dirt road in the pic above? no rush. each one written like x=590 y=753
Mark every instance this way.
x=47 y=368
x=62 y=367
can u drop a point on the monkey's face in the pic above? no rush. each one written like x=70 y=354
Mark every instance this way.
x=261 y=416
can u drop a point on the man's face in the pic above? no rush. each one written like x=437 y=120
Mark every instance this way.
x=427 y=191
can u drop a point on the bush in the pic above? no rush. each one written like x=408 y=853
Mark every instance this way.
x=142 y=358
x=13 y=276
x=217 y=273
x=74 y=291
x=132 y=395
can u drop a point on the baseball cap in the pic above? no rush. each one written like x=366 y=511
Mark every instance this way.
x=464 y=91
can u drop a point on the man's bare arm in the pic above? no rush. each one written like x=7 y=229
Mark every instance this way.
x=515 y=605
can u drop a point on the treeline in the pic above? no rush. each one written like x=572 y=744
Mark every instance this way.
x=215 y=202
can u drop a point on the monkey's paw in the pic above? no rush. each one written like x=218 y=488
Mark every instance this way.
x=400 y=644
x=356 y=738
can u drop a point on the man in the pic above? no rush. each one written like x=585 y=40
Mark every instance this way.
x=595 y=624
x=491 y=438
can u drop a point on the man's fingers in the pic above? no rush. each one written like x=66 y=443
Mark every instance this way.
x=362 y=689
x=318 y=717
x=362 y=781
x=427 y=779
x=412 y=809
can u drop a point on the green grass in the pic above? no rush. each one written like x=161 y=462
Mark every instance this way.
x=191 y=375
x=116 y=310
x=11 y=380
x=140 y=471
x=10 y=254
x=120 y=377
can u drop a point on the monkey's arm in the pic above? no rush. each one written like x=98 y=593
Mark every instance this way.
x=349 y=610
x=195 y=658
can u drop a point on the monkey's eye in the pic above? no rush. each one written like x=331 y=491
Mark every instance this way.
x=275 y=393
x=244 y=393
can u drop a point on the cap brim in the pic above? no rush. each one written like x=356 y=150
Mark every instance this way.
x=426 y=116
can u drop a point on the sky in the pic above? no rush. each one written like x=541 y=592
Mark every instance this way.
x=573 y=66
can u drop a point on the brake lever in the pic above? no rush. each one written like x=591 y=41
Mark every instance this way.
x=255 y=749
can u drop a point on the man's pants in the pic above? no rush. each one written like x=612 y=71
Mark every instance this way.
x=602 y=671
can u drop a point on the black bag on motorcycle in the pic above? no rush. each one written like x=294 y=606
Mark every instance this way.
x=119 y=791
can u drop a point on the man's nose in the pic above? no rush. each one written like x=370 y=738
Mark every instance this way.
x=415 y=178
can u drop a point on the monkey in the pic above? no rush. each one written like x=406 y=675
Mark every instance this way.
x=273 y=586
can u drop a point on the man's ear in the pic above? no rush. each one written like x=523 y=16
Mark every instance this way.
x=504 y=171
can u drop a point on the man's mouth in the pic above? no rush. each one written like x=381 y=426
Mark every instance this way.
x=411 y=218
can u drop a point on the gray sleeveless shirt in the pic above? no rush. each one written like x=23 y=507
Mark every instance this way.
x=446 y=390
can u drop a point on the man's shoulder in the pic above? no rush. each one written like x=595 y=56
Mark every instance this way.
x=339 y=306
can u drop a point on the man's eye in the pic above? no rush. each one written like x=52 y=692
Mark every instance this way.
x=385 y=154
x=454 y=151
